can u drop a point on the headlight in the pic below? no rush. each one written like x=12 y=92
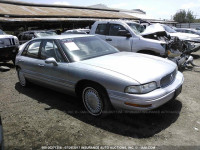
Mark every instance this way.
x=141 y=89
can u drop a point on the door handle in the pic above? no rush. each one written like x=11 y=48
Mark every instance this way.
x=109 y=39
x=40 y=65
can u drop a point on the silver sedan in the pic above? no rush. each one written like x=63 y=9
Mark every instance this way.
x=86 y=66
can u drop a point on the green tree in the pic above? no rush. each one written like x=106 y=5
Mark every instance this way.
x=184 y=17
x=180 y=16
x=190 y=17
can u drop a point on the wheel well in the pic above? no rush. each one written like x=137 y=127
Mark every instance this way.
x=80 y=84
x=150 y=52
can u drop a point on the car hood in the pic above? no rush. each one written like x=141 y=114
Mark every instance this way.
x=152 y=29
x=140 y=67
x=6 y=36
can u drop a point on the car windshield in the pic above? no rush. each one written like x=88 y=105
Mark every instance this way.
x=169 y=29
x=137 y=28
x=83 y=48
x=1 y=32
x=45 y=33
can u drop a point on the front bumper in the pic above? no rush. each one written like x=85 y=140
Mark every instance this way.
x=153 y=99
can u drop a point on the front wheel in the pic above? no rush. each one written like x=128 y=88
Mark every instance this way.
x=21 y=77
x=95 y=100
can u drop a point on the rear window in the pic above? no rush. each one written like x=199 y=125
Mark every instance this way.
x=101 y=29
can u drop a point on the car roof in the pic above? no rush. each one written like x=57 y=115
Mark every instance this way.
x=117 y=21
x=38 y=31
x=65 y=36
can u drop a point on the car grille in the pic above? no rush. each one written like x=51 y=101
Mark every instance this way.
x=168 y=79
x=12 y=41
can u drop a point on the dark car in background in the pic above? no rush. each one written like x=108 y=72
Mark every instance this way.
x=8 y=47
x=29 y=35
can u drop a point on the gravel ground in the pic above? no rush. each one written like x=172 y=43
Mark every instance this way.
x=35 y=116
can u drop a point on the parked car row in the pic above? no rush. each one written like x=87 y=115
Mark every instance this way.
x=93 y=68
x=157 y=39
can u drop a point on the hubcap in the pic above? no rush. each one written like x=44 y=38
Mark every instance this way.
x=92 y=101
x=22 y=79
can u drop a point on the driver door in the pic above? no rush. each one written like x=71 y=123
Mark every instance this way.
x=122 y=43
x=51 y=74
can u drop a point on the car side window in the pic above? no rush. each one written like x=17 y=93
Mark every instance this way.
x=101 y=29
x=31 y=36
x=50 y=49
x=23 y=36
x=20 y=37
x=186 y=31
x=26 y=35
x=33 y=49
x=115 y=28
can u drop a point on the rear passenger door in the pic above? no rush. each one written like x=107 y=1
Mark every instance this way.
x=122 y=43
x=30 y=59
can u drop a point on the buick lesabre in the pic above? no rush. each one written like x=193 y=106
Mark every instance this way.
x=103 y=77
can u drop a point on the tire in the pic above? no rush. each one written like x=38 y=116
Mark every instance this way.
x=21 y=77
x=95 y=100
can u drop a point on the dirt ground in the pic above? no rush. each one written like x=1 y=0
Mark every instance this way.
x=36 y=117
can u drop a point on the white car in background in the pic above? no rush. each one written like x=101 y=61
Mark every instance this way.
x=155 y=28
x=125 y=36
x=188 y=30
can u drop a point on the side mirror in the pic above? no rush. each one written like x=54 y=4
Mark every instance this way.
x=51 y=60
x=124 y=33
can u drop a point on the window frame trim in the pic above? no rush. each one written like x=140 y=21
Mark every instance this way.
x=27 y=46
x=59 y=50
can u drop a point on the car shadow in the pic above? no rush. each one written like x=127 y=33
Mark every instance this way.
x=130 y=124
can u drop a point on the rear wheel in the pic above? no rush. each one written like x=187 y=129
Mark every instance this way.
x=21 y=77
x=95 y=100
